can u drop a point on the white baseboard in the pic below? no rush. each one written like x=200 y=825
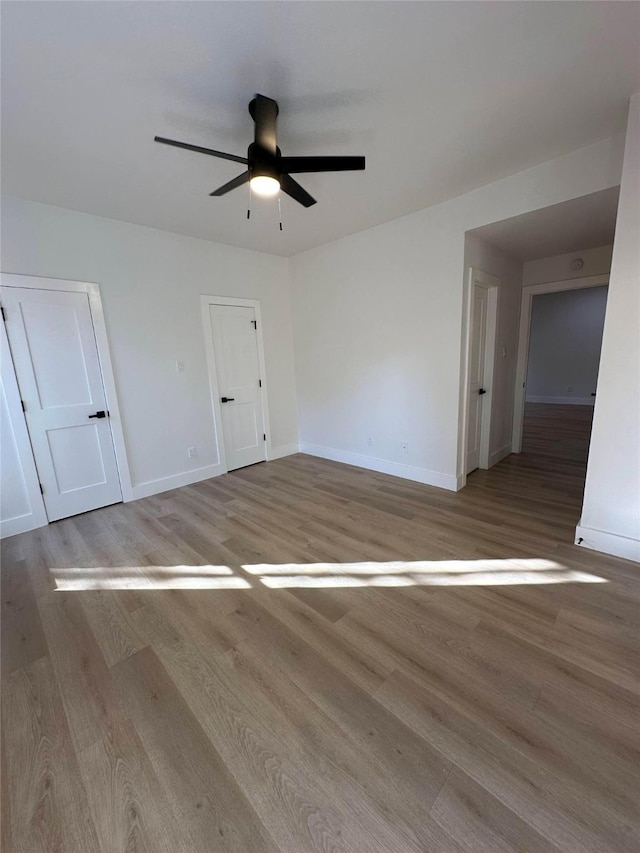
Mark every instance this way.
x=564 y=401
x=284 y=450
x=21 y=524
x=186 y=478
x=371 y=463
x=608 y=543
x=498 y=455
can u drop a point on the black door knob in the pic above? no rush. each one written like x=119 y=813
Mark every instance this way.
x=227 y=399
x=99 y=415
x=482 y=391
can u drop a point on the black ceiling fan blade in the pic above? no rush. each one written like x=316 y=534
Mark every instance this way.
x=264 y=112
x=321 y=164
x=200 y=149
x=293 y=188
x=232 y=185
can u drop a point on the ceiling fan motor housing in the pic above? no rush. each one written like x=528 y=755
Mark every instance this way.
x=263 y=162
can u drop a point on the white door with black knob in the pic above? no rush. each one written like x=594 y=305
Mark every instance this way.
x=55 y=356
x=476 y=391
x=235 y=346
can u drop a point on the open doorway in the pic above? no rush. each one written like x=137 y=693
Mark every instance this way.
x=561 y=325
x=563 y=257
x=565 y=340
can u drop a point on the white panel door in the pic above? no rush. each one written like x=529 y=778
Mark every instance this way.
x=58 y=370
x=235 y=347
x=475 y=390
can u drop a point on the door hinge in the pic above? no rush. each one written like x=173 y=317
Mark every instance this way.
x=260 y=384
x=254 y=324
x=41 y=489
x=24 y=408
x=264 y=436
x=4 y=316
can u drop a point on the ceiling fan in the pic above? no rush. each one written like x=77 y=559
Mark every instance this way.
x=268 y=171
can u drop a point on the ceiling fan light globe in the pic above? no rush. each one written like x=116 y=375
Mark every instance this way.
x=265 y=186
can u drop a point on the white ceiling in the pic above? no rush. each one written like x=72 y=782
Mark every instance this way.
x=441 y=97
x=582 y=223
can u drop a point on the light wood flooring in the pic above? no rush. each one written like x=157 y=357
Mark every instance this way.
x=305 y=656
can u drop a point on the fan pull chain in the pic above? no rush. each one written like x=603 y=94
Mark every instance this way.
x=250 y=201
x=280 y=212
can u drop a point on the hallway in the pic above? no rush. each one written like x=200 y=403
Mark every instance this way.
x=557 y=431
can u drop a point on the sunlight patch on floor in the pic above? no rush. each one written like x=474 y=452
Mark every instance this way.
x=397 y=573
x=471 y=579
x=404 y=566
x=149 y=577
x=419 y=573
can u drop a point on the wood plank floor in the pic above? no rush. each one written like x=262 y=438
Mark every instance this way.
x=305 y=656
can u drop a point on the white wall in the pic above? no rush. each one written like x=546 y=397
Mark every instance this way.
x=611 y=510
x=151 y=283
x=377 y=322
x=558 y=267
x=483 y=256
x=564 y=346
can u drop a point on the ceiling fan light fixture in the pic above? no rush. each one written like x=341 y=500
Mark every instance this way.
x=265 y=185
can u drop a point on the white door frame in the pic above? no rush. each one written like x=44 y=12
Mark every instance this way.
x=100 y=330
x=528 y=293
x=491 y=284
x=205 y=303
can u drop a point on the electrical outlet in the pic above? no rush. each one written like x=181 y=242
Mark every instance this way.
x=569 y=388
x=179 y=366
x=370 y=441
x=192 y=452
x=404 y=447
